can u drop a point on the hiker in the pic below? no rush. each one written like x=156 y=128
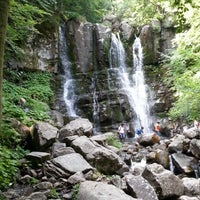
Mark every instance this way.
x=122 y=132
x=157 y=128
x=196 y=124
x=140 y=131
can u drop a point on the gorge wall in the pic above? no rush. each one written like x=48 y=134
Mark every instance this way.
x=95 y=91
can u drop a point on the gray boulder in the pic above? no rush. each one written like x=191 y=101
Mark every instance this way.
x=67 y=165
x=72 y=163
x=191 y=186
x=98 y=156
x=177 y=144
x=38 y=158
x=90 y=190
x=184 y=197
x=195 y=147
x=165 y=183
x=136 y=185
x=183 y=163
x=80 y=126
x=43 y=136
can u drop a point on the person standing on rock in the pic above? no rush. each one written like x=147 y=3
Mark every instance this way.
x=157 y=128
x=140 y=131
x=122 y=132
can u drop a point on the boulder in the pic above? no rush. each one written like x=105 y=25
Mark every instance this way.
x=67 y=165
x=190 y=132
x=177 y=144
x=98 y=156
x=80 y=126
x=43 y=136
x=195 y=147
x=191 y=186
x=184 y=197
x=38 y=158
x=162 y=157
x=58 y=118
x=72 y=163
x=136 y=185
x=102 y=138
x=90 y=190
x=183 y=164
x=165 y=183
x=148 y=139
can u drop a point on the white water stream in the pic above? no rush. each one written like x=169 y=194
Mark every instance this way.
x=133 y=84
x=141 y=101
x=68 y=94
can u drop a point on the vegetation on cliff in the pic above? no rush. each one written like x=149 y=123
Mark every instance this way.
x=183 y=69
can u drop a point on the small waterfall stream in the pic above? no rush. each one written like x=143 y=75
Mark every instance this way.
x=141 y=102
x=133 y=85
x=68 y=94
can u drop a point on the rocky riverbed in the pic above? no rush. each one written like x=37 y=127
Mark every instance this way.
x=71 y=163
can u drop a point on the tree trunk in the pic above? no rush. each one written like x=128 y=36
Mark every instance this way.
x=4 y=5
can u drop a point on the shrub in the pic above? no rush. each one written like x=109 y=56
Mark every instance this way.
x=75 y=191
x=9 y=165
x=113 y=141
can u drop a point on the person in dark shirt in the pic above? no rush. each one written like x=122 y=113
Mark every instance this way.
x=140 y=131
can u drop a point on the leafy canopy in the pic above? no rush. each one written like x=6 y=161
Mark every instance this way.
x=21 y=23
x=140 y=12
x=184 y=69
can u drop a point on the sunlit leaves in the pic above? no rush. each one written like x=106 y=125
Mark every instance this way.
x=185 y=69
x=22 y=20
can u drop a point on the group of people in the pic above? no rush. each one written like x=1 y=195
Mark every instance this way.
x=156 y=129
x=122 y=131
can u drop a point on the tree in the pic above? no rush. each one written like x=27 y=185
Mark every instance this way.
x=4 y=5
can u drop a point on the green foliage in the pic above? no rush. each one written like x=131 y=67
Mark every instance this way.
x=34 y=87
x=92 y=10
x=75 y=191
x=33 y=181
x=140 y=12
x=27 y=17
x=8 y=165
x=21 y=23
x=184 y=69
x=8 y=137
x=53 y=194
x=113 y=141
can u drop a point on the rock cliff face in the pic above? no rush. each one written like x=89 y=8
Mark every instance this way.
x=95 y=91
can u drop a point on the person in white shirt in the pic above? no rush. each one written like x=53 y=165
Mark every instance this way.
x=122 y=132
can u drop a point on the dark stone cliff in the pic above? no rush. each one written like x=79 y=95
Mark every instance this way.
x=88 y=48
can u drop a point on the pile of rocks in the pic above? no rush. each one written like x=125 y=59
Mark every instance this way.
x=70 y=163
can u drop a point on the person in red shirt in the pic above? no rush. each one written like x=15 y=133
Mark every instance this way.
x=157 y=128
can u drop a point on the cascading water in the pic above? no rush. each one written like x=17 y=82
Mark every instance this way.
x=117 y=59
x=68 y=94
x=141 y=102
x=96 y=109
x=134 y=86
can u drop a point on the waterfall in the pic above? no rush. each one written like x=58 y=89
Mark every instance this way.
x=96 y=109
x=171 y=166
x=117 y=59
x=133 y=85
x=141 y=102
x=68 y=93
